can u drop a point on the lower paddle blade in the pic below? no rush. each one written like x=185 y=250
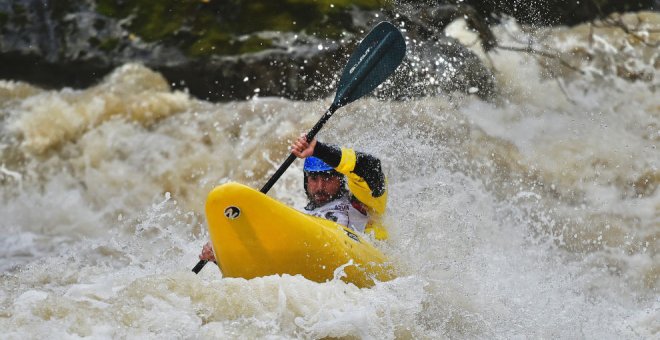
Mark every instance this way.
x=375 y=59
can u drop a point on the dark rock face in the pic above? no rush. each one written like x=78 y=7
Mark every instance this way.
x=441 y=64
x=228 y=50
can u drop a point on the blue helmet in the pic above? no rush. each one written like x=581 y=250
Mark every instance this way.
x=313 y=164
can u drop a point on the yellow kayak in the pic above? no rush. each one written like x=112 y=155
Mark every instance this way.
x=255 y=235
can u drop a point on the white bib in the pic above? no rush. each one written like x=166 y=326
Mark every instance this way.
x=342 y=212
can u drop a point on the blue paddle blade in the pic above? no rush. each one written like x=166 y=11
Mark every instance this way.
x=375 y=59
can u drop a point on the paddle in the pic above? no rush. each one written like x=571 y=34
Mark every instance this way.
x=374 y=59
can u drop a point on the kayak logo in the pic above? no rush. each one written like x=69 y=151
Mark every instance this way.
x=353 y=236
x=232 y=212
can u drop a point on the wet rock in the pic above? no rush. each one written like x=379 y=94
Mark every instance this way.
x=437 y=63
x=231 y=50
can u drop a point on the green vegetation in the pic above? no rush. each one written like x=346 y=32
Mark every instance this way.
x=108 y=45
x=206 y=27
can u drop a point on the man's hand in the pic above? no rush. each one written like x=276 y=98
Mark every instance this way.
x=207 y=253
x=301 y=149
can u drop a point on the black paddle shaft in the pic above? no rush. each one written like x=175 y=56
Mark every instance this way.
x=310 y=136
x=199 y=266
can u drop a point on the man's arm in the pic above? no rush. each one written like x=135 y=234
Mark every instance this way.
x=366 y=180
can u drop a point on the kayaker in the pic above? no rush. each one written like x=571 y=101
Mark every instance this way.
x=328 y=170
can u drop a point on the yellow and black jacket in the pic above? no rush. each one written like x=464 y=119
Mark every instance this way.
x=366 y=182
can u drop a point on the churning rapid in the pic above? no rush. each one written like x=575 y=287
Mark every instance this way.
x=534 y=215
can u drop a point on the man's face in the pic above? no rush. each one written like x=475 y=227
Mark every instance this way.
x=322 y=187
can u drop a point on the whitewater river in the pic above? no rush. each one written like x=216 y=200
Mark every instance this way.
x=534 y=215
